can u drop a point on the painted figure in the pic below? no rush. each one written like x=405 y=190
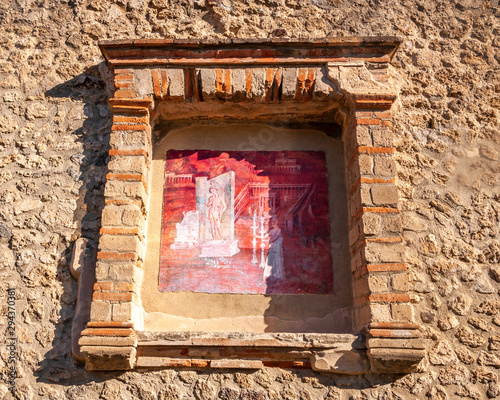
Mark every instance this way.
x=216 y=206
x=275 y=260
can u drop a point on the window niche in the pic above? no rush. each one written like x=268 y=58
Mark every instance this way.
x=224 y=110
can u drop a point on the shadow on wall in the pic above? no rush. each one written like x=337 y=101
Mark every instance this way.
x=89 y=88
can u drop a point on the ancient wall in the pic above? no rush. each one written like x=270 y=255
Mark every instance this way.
x=54 y=129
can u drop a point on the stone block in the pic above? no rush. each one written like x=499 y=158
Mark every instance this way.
x=258 y=83
x=384 y=165
x=378 y=283
x=363 y=136
x=392 y=224
x=239 y=84
x=120 y=243
x=111 y=215
x=125 y=273
x=114 y=189
x=382 y=137
x=101 y=271
x=143 y=83
x=135 y=190
x=237 y=364
x=289 y=83
x=100 y=311
x=341 y=361
x=380 y=312
x=365 y=195
x=402 y=312
x=400 y=282
x=128 y=165
x=396 y=343
x=136 y=140
x=132 y=216
x=354 y=233
x=116 y=140
x=371 y=224
x=122 y=312
x=108 y=358
x=208 y=86
x=397 y=361
x=108 y=341
x=384 y=252
x=384 y=195
x=176 y=84
x=365 y=164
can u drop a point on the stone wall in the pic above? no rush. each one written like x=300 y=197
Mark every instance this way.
x=54 y=133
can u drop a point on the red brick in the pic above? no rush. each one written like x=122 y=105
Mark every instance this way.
x=119 y=231
x=109 y=296
x=375 y=150
x=99 y=286
x=377 y=180
x=368 y=121
x=127 y=127
x=125 y=94
x=103 y=255
x=389 y=297
x=108 y=332
x=124 y=287
x=386 y=267
x=136 y=152
x=110 y=324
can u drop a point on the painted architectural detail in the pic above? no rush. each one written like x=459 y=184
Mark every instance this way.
x=260 y=228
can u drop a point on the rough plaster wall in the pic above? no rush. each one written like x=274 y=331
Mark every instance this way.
x=53 y=127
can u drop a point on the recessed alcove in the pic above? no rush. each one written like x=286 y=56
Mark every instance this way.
x=236 y=312
x=265 y=107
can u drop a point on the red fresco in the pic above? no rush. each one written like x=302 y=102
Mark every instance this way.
x=246 y=222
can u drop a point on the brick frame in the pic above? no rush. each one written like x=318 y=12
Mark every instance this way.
x=147 y=72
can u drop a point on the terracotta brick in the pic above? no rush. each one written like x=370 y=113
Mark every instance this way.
x=395 y=239
x=368 y=121
x=390 y=297
x=386 y=267
x=393 y=325
x=386 y=123
x=377 y=180
x=109 y=296
x=124 y=287
x=100 y=286
x=110 y=324
x=130 y=127
x=108 y=332
x=382 y=210
x=125 y=93
x=110 y=255
x=124 y=85
x=130 y=120
x=155 y=74
x=123 y=152
x=124 y=77
x=119 y=231
x=375 y=150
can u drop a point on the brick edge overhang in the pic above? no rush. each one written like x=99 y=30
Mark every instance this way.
x=188 y=52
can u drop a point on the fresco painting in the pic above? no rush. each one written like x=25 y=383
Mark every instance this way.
x=246 y=222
